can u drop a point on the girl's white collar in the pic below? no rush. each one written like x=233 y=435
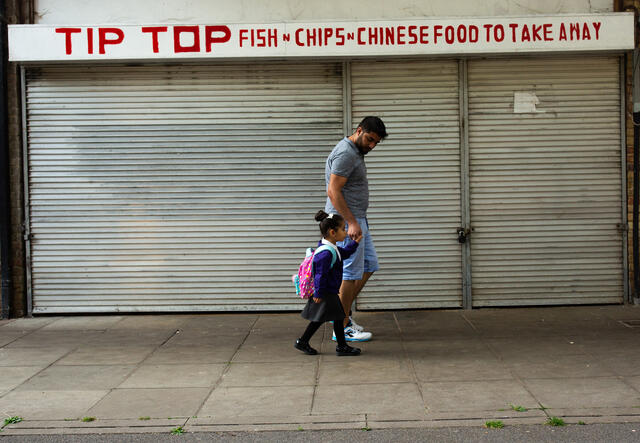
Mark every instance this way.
x=327 y=242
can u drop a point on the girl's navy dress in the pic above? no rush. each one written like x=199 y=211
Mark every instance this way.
x=326 y=282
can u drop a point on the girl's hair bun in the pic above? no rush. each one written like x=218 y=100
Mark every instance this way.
x=321 y=215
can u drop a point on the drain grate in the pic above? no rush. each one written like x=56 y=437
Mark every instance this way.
x=631 y=323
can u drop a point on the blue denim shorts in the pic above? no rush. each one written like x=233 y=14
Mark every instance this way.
x=365 y=259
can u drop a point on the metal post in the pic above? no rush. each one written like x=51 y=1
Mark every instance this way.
x=467 y=301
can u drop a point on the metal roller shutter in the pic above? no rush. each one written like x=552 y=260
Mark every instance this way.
x=546 y=196
x=176 y=188
x=414 y=179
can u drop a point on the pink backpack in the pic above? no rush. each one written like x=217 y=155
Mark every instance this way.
x=303 y=280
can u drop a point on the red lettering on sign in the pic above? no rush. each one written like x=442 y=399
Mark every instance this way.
x=526 y=37
x=389 y=36
x=474 y=32
x=373 y=36
x=536 y=32
x=498 y=33
x=436 y=33
x=413 y=36
x=513 y=27
x=462 y=34
x=563 y=33
x=155 y=30
x=596 y=26
x=210 y=39
x=574 y=29
x=401 y=35
x=298 y=41
x=67 y=37
x=286 y=37
x=586 y=35
x=424 y=35
x=90 y=40
x=547 y=32
x=328 y=33
x=449 y=34
x=360 y=39
x=178 y=31
x=103 y=40
x=340 y=36
x=488 y=28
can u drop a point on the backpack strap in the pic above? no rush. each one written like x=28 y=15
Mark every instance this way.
x=334 y=254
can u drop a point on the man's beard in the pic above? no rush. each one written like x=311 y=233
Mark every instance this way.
x=364 y=150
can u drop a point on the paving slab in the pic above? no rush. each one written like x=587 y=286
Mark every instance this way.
x=9 y=336
x=107 y=355
x=476 y=396
x=281 y=401
x=260 y=350
x=461 y=368
x=192 y=353
x=43 y=356
x=591 y=392
x=174 y=376
x=49 y=405
x=98 y=426
x=164 y=322
x=395 y=400
x=377 y=347
x=28 y=324
x=433 y=325
x=596 y=415
x=77 y=378
x=83 y=323
x=154 y=403
x=303 y=373
x=560 y=366
x=634 y=382
x=41 y=338
x=122 y=338
x=13 y=376
x=365 y=370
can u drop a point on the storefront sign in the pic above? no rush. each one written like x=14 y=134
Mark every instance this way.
x=557 y=33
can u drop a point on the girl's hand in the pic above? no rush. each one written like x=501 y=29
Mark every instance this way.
x=358 y=237
x=317 y=300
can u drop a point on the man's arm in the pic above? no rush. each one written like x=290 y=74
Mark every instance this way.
x=334 y=192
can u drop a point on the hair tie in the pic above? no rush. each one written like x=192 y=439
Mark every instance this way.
x=330 y=215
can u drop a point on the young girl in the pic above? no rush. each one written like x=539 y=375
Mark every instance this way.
x=325 y=304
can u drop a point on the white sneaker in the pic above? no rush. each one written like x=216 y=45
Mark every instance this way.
x=351 y=334
x=355 y=325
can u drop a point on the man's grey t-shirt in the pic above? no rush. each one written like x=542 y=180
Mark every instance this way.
x=346 y=161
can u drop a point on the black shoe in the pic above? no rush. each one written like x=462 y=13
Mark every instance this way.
x=347 y=350
x=305 y=347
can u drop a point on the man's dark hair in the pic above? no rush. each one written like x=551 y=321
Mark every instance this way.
x=373 y=124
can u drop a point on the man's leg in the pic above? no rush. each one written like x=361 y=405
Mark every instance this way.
x=349 y=290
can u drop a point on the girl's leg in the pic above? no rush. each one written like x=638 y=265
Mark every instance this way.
x=339 y=331
x=302 y=343
x=311 y=329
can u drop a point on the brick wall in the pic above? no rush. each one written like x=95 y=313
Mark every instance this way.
x=629 y=5
x=17 y=11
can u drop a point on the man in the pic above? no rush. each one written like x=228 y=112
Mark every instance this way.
x=348 y=195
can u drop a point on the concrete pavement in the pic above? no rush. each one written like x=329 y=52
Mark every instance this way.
x=220 y=372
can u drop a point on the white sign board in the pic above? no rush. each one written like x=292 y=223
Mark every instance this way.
x=450 y=36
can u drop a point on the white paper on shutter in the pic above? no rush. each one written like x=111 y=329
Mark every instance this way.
x=546 y=196
x=176 y=188
x=414 y=180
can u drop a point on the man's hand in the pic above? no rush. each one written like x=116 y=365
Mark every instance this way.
x=355 y=231
x=317 y=300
